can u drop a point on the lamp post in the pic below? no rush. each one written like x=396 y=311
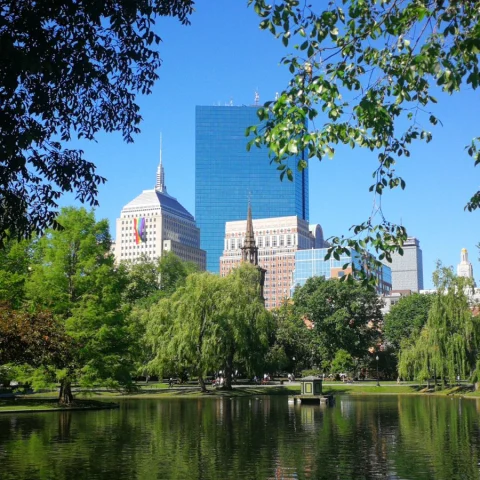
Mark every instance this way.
x=378 y=383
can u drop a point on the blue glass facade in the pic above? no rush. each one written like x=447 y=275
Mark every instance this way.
x=312 y=263
x=227 y=176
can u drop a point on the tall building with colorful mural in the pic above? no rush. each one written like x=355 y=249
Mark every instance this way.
x=154 y=223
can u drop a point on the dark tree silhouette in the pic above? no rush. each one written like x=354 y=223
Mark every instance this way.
x=68 y=68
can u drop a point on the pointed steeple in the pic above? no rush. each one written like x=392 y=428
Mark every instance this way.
x=160 y=180
x=249 y=236
x=249 y=249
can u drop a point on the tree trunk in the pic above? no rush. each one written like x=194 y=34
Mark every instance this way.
x=228 y=372
x=65 y=396
x=201 y=381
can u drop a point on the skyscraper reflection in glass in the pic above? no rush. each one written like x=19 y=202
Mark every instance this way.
x=227 y=177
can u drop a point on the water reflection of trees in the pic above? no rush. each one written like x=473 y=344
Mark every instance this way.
x=443 y=433
x=256 y=438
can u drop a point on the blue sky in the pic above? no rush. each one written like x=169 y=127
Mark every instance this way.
x=223 y=56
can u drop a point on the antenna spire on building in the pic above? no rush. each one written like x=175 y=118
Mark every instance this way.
x=160 y=180
x=257 y=97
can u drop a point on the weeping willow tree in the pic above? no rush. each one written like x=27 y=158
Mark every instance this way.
x=181 y=331
x=210 y=324
x=448 y=344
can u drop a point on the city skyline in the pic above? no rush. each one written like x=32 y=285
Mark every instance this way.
x=440 y=176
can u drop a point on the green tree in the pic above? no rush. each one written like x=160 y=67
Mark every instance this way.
x=181 y=330
x=74 y=276
x=153 y=279
x=209 y=324
x=15 y=259
x=173 y=272
x=291 y=338
x=147 y=281
x=407 y=318
x=245 y=324
x=448 y=344
x=345 y=316
x=343 y=362
x=364 y=74
x=69 y=69
x=141 y=279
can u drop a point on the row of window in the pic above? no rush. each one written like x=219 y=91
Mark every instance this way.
x=130 y=222
x=136 y=254
x=132 y=241
x=142 y=245
x=268 y=241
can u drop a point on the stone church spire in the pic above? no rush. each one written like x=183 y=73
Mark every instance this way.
x=250 y=250
x=160 y=180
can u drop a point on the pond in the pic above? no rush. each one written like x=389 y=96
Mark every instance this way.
x=398 y=437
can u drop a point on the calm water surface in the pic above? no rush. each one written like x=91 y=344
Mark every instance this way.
x=247 y=438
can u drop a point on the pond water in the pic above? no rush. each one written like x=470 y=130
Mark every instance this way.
x=396 y=437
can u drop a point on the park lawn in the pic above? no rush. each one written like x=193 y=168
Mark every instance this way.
x=393 y=389
x=98 y=398
x=192 y=392
x=34 y=403
x=346 y=389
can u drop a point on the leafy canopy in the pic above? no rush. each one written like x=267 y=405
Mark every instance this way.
x=448 y=344
x=69 y=68
x=75 y=277
x=407 y=317
x=364 y=74
x=346 y=316
x=209 y=324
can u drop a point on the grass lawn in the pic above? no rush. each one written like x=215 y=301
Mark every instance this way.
x=98 y=398
x=34 y=403
x=190 y=391
x=392 y=389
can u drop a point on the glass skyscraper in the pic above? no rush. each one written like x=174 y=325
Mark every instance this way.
x=227 y=177
x=312 y=263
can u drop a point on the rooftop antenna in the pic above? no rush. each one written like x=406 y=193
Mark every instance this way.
x=257 y=96
x=276 y=95
x=231 y=101
x=160 y=180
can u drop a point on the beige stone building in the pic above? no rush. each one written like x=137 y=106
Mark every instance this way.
x=154 y=223
x=277 y=240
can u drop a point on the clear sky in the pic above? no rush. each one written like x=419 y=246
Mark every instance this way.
x=223 y=56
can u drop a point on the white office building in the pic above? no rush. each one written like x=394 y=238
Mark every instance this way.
x=464 y=268
x=154 y=223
